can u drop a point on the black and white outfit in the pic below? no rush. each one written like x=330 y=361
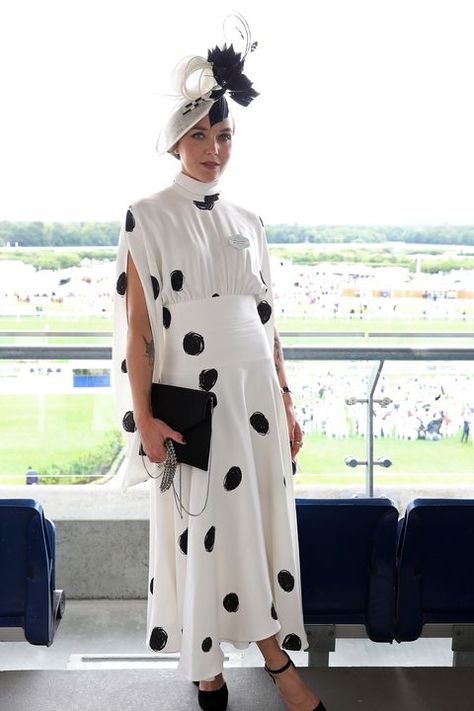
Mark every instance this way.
x=227 y=569
x=231 y=573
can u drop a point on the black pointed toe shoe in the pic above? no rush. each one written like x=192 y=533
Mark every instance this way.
x=213 y=700
x=270 y=672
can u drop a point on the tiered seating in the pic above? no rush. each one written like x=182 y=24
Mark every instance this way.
x=348 y=570
x=363 y=573
x=436 y=574
x=30 y=606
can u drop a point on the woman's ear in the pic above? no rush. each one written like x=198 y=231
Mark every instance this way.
x=174 y=151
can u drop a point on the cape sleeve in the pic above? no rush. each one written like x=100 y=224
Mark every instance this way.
x=265 y=301
x=133 y=239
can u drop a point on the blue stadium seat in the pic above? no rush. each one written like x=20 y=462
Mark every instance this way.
x=435 y=566
x=28 y=598
x=348 y=563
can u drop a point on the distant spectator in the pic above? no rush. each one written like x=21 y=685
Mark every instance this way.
x=465 y=431
x=32 y=476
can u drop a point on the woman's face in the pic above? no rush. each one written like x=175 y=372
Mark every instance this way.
x=205 y=150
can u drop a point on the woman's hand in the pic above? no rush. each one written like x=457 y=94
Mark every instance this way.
x=153 y=433
x=294 y=429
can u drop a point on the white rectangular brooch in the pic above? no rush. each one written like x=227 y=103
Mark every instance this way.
x=239 y=241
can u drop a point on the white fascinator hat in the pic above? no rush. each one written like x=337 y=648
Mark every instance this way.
x=200 y=85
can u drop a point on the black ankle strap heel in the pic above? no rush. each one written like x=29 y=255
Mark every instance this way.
x=319 y=707
x=216 y=700
x=282 y=669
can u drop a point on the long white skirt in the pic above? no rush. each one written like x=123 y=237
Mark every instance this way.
x=232 y=573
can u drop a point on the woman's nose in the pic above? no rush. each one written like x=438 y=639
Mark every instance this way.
x=213 y=146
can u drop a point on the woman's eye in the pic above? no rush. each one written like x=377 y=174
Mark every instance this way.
x=198 y=134
x=226 y=137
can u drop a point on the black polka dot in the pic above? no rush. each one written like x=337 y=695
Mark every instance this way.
x=233 y=478
x=216 y=294
x=210 y=539
x=128 y=422
x=264 y=311
x=207 y=378
x=183 y=541
x=206 y=644
x=193 y=343
x=259 y=422
x=123 y=366
x=151 y=585
x=286 y=580
x=284 y=481
x=158 y=639
x=231 y=602
x=129 y=221
x=177 y=280
x=273 y=612
x=122 y=284
x=292 y=642
x=156 y=286
x=166 y=317
x=261 y=221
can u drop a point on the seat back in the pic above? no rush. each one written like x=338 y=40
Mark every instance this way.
x=347 y=558
x=26 y=569
x=435 y=565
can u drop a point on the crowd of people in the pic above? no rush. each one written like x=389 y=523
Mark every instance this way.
x=428 y=407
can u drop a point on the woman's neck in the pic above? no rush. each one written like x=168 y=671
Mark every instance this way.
x=195 y=187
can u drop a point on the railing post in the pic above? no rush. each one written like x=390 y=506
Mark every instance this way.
x=371 y=385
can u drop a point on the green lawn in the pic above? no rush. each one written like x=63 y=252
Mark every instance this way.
x=41 y=430
x=54 y=321
x=50 y=429
x=414 y=462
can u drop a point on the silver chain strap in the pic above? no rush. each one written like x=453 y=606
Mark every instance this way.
x=167 y=470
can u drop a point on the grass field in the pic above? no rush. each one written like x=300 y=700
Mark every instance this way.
x=54 y=321
x=40 y=430
x=414 y=462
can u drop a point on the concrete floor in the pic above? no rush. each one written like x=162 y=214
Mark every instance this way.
x=94 y=633
x=341 y=689
x=99 y=662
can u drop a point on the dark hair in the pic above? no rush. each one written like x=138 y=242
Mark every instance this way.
x=219 y=111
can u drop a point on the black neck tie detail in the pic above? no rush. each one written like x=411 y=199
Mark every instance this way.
x=208 y=202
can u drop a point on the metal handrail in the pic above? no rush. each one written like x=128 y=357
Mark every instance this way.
x=287 y=334
x=363 y=352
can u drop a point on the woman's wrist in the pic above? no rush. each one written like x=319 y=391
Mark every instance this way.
x=142 y=416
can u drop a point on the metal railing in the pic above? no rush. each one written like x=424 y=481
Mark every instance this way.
x=376 y=354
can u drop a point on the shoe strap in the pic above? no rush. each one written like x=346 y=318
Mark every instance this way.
x=283 y=668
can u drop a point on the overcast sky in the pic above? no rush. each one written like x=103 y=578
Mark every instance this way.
x=366 y=111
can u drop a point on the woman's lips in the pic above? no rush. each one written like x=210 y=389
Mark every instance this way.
x=211 y=165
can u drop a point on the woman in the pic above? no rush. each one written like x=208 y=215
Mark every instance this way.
x=194 y=285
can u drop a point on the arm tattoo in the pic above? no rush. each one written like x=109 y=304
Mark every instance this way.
x=150 y=351
x=277 y=352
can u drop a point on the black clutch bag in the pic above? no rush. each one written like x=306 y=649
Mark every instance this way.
x=188 y=411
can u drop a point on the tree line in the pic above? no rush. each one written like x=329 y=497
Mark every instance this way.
x=84 y=234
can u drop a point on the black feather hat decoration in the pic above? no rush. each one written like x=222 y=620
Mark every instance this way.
x=227 y=67
x=200 y=83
